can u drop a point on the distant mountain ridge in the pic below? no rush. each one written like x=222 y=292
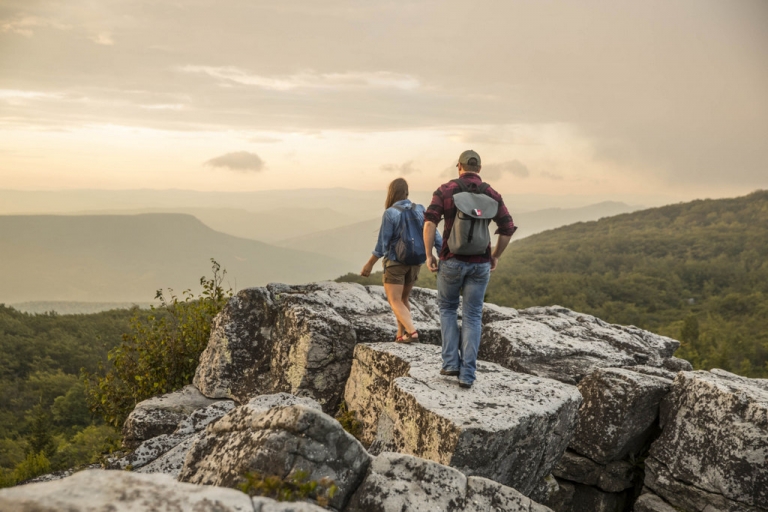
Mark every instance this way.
x=125 y=258
x=355 y=242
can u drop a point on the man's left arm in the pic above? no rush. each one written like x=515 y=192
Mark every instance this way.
x=505 y=229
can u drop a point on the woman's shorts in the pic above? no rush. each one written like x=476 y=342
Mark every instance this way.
x=401 y=274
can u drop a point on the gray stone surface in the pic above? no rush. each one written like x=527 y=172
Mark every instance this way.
x=300 y=339
x=161 y=414
x=509 y=427
x=561 y=344
x=713 y=449
x=121 y=491
x=269 y=505
x=651 y=503
x=397 y=482
x=615 y=476
x=278 y=441
x=686 y=496
x=619 y=412
x=166 y=453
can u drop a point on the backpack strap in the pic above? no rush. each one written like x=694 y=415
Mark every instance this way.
x=464 y=188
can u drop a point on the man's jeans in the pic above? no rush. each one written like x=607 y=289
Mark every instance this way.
x=469 y=280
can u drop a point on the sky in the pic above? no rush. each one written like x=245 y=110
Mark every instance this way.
x=646 y=102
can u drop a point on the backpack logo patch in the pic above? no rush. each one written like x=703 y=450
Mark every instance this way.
x=478 y=212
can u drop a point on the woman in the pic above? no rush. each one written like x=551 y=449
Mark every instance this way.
x=398 y=277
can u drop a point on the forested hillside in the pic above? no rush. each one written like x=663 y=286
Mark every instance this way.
x=694 y=271
x=43 y=402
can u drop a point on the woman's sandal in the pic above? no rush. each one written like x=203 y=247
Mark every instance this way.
x=410 y=337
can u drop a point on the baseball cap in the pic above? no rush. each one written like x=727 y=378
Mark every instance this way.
x=467 y=155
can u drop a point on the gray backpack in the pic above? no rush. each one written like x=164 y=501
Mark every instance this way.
x=474 y=210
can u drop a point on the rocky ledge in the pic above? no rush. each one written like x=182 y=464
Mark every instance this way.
x=608 y=410
x=509 y=427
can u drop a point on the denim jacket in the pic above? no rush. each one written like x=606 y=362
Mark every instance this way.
x=389 y=234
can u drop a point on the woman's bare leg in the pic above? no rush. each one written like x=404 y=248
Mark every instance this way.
x=401 y=311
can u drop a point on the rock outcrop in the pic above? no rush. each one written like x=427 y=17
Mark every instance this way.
x=279 y=356
x=510 y=427
x=397 y=482
x=300 y=339
x=619 y=413
x=121 y=491
x=280 y=442
x=713 y=448
x=564 y=345
x=162 y=414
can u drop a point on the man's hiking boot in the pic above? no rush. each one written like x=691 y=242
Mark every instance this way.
x=450 y=373
x=464 y=385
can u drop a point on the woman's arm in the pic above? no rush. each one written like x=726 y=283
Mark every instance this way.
x=368 y=267
x=382 y=244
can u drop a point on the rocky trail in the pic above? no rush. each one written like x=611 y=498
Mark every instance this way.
x=569 y=414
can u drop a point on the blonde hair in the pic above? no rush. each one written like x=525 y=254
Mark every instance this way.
x=397 y=191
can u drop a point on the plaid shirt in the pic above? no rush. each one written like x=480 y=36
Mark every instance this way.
x=442 y=207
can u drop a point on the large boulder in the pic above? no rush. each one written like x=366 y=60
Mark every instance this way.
x=619 y=413
x=277 y=442
x=564 y=345
x=397 y=482
x=509 y=427
x=162 y=414
x=713 y=449
x=121 y=491
x=165 y=453
x=300 y=339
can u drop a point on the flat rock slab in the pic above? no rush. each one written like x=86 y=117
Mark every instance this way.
x=509 y=427
x=397 y=482
x=121 y=491
x=564 y=345
x=162 y=414
x=300 y=339
x=619 y=413
x=713 y=449
x=277 y=442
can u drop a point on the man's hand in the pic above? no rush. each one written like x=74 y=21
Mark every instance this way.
x=367 y=268
x=431 y=263
x=494 y=262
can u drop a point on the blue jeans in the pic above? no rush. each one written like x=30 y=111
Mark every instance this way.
x=467 y=280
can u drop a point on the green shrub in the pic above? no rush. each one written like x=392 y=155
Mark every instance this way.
x=349 y=421
x=296 y=486
x=35 y=464
x=160 y=353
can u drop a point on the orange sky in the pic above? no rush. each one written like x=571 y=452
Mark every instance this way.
x=599 y=98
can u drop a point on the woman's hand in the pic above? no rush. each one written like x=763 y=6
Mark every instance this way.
x=367 y=268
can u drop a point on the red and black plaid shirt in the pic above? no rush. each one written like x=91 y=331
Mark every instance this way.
x=442 y=207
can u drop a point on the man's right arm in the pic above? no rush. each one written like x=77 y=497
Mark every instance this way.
x=429 y=241
x=431 y=219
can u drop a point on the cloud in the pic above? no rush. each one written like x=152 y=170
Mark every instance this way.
x=241 y=161
x=103 y=38
x=309 y=79
x=514 y=167
x=264 y=140
x=404 y=169
x=552 y=176
x=23 y=25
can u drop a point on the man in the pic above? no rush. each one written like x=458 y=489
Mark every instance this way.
x=464 y=274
